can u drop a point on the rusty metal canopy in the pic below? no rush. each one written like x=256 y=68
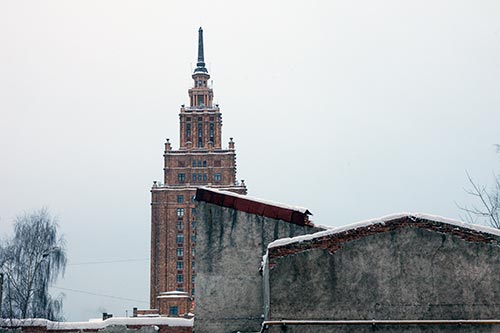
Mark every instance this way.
x=247 y=205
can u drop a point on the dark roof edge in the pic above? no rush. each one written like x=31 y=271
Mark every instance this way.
x=291 y=214
x=470 y=232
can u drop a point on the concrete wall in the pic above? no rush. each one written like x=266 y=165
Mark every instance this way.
x=405 y=272
x=229 y=250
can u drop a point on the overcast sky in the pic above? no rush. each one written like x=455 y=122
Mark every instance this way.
x=353 y=109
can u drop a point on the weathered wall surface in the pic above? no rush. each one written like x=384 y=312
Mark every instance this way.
x=464 y=328
x=229 y=250
x=403 y=273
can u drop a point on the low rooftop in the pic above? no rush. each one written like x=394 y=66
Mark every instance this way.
x=466 y=231
x=97 y=324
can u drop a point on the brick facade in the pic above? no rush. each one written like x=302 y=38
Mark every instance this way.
x=174 y=299
x=199 y=161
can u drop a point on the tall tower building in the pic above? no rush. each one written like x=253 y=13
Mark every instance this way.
x=199 y=161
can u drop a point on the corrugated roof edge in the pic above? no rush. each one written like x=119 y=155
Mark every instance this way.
x=361 y=224
x=293 y=214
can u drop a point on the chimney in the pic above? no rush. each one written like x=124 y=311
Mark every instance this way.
x=106 y=315
x=168 y=146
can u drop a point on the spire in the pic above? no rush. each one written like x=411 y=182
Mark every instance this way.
x=200 y=65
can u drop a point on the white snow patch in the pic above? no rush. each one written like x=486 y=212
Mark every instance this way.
x=173 y=294
x=98 y=324
x=382 y=220
x=263 y=263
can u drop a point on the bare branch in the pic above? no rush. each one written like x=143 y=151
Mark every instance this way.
x=488 y=200
x=32 y=260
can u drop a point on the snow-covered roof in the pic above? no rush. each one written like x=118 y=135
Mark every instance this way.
x=98 y=324
x=189 y=186
x=201 y=152
x=381 y=220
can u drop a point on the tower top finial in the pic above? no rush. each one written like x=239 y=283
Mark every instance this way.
x=200 y=65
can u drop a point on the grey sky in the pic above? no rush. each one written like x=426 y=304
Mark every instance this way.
x=354 y=109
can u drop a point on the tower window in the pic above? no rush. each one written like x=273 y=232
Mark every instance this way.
x=217 y=177
x=193 y=225
x=180 y=199
x=199 y=177
x=180 y=225
x=199 y=164
x=193 y=177
x=188 y=129
x=180 y=265
x=180 y=278
x=200 y=100
x=180 y=239
x=194 y=163
x=193 y=211
x=204 y=163
x=180 y=212
x=179 y=251
x=193 y=239
x=200 y=143
x=181 y=177
x=173 y=311
x=193 y=251
x=204 y=177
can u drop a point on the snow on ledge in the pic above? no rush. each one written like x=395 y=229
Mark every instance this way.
x=98 y=324
x=173 y=294
x=411 y=216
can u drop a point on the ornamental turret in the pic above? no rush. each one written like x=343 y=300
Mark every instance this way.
x=201 y=121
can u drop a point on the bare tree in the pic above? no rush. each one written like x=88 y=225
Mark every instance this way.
x=31 y=261
x=487 y=208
